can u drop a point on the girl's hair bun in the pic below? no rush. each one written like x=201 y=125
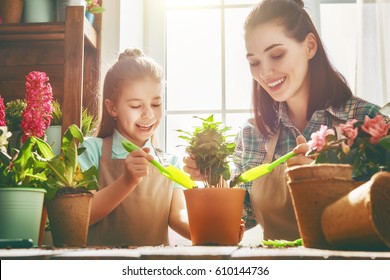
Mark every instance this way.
x=130 y=53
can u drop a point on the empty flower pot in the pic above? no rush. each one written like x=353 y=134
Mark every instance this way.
x=361 y=219
x=313 y=188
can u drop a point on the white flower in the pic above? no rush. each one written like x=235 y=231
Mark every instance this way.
x=4 y=135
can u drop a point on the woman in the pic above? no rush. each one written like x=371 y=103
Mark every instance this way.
x=295 y=91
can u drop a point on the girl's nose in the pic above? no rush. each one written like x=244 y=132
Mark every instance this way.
x=147 y=113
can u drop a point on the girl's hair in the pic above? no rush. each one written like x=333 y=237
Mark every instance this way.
x=132 y=65
x=327 y=86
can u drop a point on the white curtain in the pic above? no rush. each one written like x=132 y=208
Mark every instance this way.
x=373 y=51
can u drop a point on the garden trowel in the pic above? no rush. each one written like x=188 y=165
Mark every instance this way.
x=260 y=170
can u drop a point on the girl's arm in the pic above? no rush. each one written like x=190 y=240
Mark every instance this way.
x=108 y=198
x=178 y=218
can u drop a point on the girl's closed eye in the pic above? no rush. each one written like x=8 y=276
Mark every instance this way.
x=156 y=105
x=135 y=106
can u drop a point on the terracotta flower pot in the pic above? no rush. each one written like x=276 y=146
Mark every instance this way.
x=69 y=219
x=314 y=187
x=214 y=215
x=11 y=10
x=361 y=219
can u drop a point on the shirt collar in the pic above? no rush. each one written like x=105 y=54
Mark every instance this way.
x=118 y=149
x=283 y=118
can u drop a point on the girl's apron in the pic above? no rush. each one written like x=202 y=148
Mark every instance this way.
x=271 y=200
x=142 y=217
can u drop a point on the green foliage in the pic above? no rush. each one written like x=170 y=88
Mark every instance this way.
x=28 y=166
x=64 y=169
x=88 y=121
x=56 y=113
x=211 y=149
x=13 y=112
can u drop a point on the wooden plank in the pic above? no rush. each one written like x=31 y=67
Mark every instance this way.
x=256 y=253
x=26 y=55
x=32 y=37
x=19 y=73
x=73 y=67
x=90 y=34
x=49 y=27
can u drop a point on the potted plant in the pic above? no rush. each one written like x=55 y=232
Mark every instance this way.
x=340 y=166
x=23 y=171
x=68 y=198
x=92 y=7
x=22 y=179
x=214 y=211
x=13 y=111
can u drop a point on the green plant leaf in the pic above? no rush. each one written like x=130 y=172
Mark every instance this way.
x=385 y=143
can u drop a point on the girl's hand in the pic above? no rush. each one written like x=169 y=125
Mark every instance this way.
x=301 y=149
x=137 y=165
x=191 y=168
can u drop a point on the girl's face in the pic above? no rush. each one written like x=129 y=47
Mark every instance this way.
x=138 y=110
x=279 y=63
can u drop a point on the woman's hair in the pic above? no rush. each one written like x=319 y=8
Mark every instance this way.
x=327 y=86
x=132 y=65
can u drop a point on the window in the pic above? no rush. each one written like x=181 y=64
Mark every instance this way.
x=206 y=68
x=204 y=57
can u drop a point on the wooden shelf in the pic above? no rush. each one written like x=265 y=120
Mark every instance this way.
x=69 y=52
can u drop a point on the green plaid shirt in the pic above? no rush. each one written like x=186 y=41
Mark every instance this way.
x=250 y=143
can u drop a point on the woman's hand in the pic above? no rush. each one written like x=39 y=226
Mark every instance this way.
x=191 y=168
x=137 y=165
x=301 y=150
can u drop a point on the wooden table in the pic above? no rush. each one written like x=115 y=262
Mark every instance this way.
x=189 y=253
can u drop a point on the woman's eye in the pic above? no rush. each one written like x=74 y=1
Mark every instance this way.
x=278 y=56
x=135 y=106
x=254 y=63
x=156 y=105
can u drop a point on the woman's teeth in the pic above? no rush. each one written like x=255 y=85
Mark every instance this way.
x=143 y=126
x=273 y=84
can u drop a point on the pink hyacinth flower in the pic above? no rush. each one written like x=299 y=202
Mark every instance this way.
x=2 y=112
x=39 y=97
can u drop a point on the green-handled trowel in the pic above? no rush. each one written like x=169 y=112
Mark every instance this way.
x=170 y=171
x=260 y=170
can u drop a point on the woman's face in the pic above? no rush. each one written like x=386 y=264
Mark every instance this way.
x=138 y=110
x=279 y=63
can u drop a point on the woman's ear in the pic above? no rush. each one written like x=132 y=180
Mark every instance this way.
x=312 y=45
x=110 y=107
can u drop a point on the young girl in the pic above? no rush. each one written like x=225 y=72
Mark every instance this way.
x=135 y=203
x=295 y=91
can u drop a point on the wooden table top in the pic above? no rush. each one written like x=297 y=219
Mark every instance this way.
x=190 y=253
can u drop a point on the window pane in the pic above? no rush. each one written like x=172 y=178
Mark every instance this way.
x=339 y=33
x=238 y=76
x=193 y=59
x=190 y=3
x=236 y=2
x=236 y=121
